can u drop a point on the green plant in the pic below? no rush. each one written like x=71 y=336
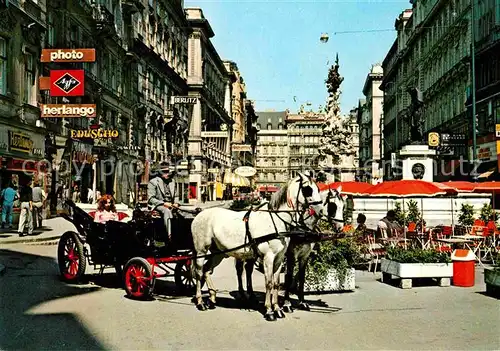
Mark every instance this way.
x=339 y=255
x=414 y=214
x=487 y=213
x=466 y=217
x=400 y=214
x=401 y=255
x=241 y=204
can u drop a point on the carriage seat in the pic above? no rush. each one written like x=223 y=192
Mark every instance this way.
x=121 y=215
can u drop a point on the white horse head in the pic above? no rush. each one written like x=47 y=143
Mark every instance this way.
x=334 y=204
x=300 y=194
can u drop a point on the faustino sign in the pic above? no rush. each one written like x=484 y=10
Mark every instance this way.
x=94 y=134
x=64 y=111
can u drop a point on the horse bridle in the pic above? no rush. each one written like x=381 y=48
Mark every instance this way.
x=332 y=208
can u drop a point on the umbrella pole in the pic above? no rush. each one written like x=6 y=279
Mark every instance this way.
x=452 y=217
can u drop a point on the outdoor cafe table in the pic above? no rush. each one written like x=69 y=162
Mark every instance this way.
x=466 y=240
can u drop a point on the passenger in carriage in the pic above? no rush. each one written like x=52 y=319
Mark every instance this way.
x=106 y=210
x=161 y=195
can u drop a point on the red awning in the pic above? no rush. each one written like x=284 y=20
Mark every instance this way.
x=28 y=166
x=409 y=188
x=268 y=188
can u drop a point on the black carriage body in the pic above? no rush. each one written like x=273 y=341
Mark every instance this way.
x=114 y=243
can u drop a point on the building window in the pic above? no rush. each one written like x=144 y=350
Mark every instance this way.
x=3 y=66
x=29 y=78
x=51 y=31
x=269 y=126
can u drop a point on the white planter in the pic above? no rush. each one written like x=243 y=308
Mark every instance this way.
x=332 y=282
x=408 y=271
x=417 y=270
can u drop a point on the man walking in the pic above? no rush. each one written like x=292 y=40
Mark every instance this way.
x=26 y=199
x=38 y=198
x=7 y=198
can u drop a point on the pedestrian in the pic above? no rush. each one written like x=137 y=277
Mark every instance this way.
x=7 y=198
x=38 y=199
x=26 y=200
x=90 y=196
x=76 y=194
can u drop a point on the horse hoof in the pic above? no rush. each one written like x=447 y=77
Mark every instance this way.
x=279 y=314
x=201 y=307
x=270 y=317
x=288 y=308
x=304 y=306
x=211 y=305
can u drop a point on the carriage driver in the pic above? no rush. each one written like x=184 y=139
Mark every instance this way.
x=161 y=194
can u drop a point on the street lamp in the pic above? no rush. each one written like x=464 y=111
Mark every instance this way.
x=473 y=67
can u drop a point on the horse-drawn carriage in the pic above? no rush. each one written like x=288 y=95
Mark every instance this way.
x=133 y=248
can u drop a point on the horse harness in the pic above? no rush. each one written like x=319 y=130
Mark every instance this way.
x=300 y=224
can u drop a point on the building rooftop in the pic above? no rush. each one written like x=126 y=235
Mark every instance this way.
x=271 y=118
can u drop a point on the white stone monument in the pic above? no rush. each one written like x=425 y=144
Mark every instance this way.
x=418 y=162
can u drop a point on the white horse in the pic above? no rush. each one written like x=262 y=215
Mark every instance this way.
x=220 y=231
x=333 y=207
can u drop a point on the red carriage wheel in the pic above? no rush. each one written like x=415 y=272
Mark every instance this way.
x=70 y=257
x=184 y=276
x=139 y=280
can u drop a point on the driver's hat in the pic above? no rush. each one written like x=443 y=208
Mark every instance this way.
x=166 y=167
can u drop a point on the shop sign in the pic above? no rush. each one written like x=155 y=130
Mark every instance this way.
x=245 y=171
x=214 y=134
x=486 y=152
x=184 y=100
x=94 y=134
x=20 y=142
x=83 y=157
x=67 y=82
x=68 y=55
x=497 y=131
x=65 y=111
x=241 y=148
x=213 y=170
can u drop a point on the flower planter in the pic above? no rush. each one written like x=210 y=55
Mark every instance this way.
x=492 y=280
x=408 y=271
x=332 y=282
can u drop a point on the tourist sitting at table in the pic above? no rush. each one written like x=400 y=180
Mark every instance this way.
x=388 y=226
x=106 y=210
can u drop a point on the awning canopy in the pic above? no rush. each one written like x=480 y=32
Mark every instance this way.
x=235 y=180
x=268 y=188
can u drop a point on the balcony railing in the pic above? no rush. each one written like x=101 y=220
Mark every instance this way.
x=132 y=6
x=105 y=20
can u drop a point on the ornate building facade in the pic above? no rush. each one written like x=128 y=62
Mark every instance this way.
x=374 y=139
x=304 y=139
x=432 y=55
x=211 y=123
x=272 y=149
x=23 y=30
x=243 y=139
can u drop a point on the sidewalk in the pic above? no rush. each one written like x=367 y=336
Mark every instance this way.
x=54 y=228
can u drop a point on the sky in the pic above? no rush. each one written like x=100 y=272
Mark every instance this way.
x=276 y=45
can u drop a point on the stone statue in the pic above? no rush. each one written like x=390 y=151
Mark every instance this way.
x=415 y=114
x=336 y=139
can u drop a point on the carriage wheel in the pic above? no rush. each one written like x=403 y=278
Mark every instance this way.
x=184 y=276
x=70 y=257
x=139 y=280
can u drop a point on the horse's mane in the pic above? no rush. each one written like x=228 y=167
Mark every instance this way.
x=279 y=197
